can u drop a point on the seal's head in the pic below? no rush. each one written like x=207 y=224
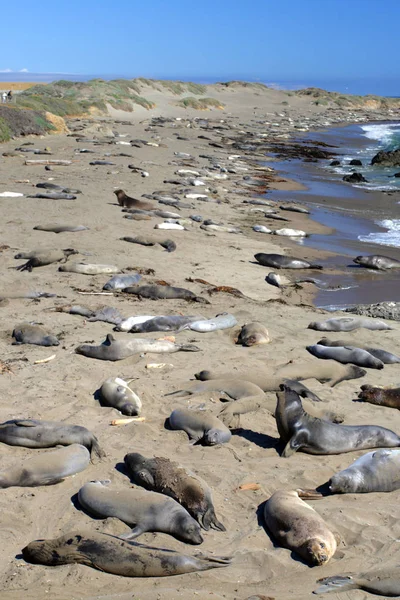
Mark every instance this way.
x=316 y=552
x=187 y=529
x=216 y=436
x=120 y=196
x=359 y=260
x=344 y=483
x=137 y=464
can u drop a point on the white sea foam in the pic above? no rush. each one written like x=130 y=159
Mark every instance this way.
x=391 y=237
x=382 y=132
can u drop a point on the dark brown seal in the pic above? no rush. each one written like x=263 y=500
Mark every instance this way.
x=380 y=396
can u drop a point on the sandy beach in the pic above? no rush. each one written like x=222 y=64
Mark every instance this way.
x=63 y=389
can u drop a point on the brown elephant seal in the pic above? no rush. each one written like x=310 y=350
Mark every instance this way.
x=252 y=334
x=147 y=511
x=46 y=468
x=380 y=396
x=116 y=392
x=128 y=202
x=61 y=228
x=345 y=355
x=297 y=526
x=167 y=477
x=300 y=431
x=163 y=292
x=113 y=555
x=41 y=258
x=386 y=357
x=32 y=433
x=348 y=324
x=201 y=427
x=33 y=334
x=375 y=261
x=118 y=349
x=280 y=261
x=382 y=582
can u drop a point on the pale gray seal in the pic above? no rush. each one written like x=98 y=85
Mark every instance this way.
x=119 y=282
x=200 y=426
x=252 y=334
x=221 y=321
x=386 y=357
x=32 y=433
x=299 y=431
x=297 y=526
x=170 y=478
x=148 y=511
x=88 y=268
x=46 y=468
x=377 y=471
x=380 y=396
x=116 y=392
x=375 y=261
x=60 y=228
x=346 y=355
x=274 y=279
x=280 y=261
x=118 y=349
x=382 y=582
x=33 y=334
x=113 y=555
x=164 y=323
x=348 y=324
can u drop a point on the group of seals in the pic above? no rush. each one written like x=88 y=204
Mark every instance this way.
x=345 y=355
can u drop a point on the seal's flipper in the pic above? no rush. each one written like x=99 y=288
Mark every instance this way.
x=292 y=446
x=134 y=533
x=310 y=494
x=336 y=584
x=26 y=423
x=189 y=348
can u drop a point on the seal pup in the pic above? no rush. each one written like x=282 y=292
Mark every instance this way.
x=41 y=258
x=345 y=355
x=88 y=269
x=60 y=228
x=386 y=357
x=375 y=261
x=47 y=468
x=201 y=427
x=253 y=334
x=300 y=431
x=119 y=282
x=110 y=554
x=382 y=582
x=167 y=477
x=280 y=261
x=380 y=396
x=116 y=392
x=221 y=321
x=26 y=333
x=377 y=471
x=147 y=511
x=32 y=433
x=128 y=202
x=297 y=526
x=163 y=292
x=348 y=324
x=118 y=349
x=163 y=323
x=274 y=279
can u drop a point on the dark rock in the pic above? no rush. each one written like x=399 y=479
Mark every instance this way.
x=335 y=163
x=355 y=178
x=356 y=162
x=387 y=159
x=397 y=174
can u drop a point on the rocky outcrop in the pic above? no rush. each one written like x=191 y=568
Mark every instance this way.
x=356 y=162
x=383 y=310
x=387 y=159
x=335 y=163
x=355 y=178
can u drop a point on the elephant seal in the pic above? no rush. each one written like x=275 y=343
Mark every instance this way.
x=300 y=431
x=348 y=324
x=297 y=526
x=32 y=433
x=118 y=349
x=345 y=355
x=382 y=582
x=119 y=282
x=113 y=555
x=116 y=392
x=46 y=468
x=41 y=258
x=386 y=357
x=167 y=477
x=147 y=511
x=33 y=334
x=128 y=202
x=88 y=269
x=60 y=228
x=252 y=334
x=280 y=261
x=375 y=261
x=235 y=389
x=380 y=396
x=274 y=279
x=377 y=471
x=163 y=292
x=200 y=426
x=164 y=323
x=222 y=321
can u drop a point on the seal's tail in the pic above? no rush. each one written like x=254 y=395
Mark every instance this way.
x=338 y=583
x=95 y=449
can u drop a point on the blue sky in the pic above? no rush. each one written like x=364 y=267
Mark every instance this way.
x=269 y=40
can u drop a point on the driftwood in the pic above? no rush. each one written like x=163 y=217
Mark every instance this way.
x=48 y=162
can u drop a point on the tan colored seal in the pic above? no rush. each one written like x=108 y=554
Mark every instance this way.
x=252 y=334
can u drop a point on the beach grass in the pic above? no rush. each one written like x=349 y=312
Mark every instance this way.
x=200 y=103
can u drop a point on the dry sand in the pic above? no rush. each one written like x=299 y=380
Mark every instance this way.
x=62 y=390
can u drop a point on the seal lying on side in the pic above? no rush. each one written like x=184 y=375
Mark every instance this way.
x=167 y=477
x=297 y=526
x=375 y=261
x=118 y=349
x=382 y=582
x=252 y=334
x=116 y=392
x=222 y=321
x=32 y=433
x=377 y=471
x=345 y=355
x=386 y=357
x=33 y=334
x=46 y=468
x=380 y=396
x=89 y=269
x=60 y=228
x=280 y=261
x=41 y=258
x=112 y=555
x=299 y=431
x=164 y=323
x=200 y=426
x=348 y=324
x=148 y=511
x=163 y=292
x=119 y=282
